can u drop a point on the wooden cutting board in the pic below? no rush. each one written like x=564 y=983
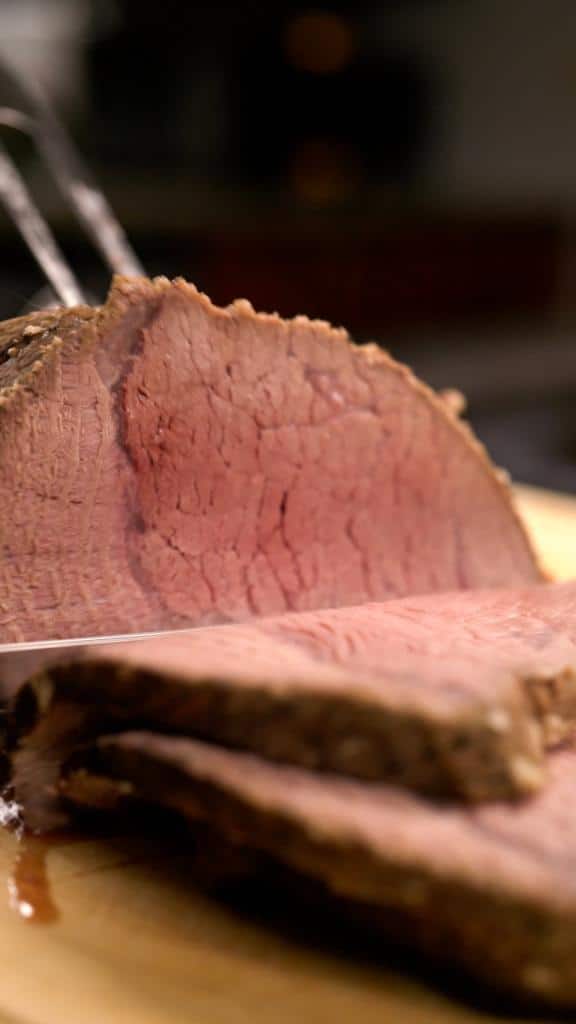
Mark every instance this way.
x=136 y=942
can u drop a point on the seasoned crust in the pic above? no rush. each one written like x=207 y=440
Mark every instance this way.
x=27 y=341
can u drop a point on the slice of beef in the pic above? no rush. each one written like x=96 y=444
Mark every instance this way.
x=165 y=462
x=490 y=889
x=451 y=694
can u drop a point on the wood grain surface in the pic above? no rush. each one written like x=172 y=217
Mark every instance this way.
x=138 y=941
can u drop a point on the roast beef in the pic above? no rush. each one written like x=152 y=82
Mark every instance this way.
x=454 y=694
x=492 y=889
x=166 y=463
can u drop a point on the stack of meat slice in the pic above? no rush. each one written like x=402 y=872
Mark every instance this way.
x=380 y=683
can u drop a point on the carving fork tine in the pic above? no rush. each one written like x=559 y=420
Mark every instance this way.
x=31 y=114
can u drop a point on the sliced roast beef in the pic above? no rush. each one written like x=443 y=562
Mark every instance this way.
x=452 y=694
x=490 y=889
x=168 y=463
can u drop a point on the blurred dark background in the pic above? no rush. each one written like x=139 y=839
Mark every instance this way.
x=407 y=169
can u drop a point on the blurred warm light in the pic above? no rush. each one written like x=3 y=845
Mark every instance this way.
x=324 y=172
x=319 y=42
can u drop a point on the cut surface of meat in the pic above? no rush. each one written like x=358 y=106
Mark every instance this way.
x=492 y=889
x=453 y=694
x=167 y=463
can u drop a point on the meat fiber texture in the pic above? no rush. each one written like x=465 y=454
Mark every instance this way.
x=492 y=889
x=455 y=695
x=165 y=463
